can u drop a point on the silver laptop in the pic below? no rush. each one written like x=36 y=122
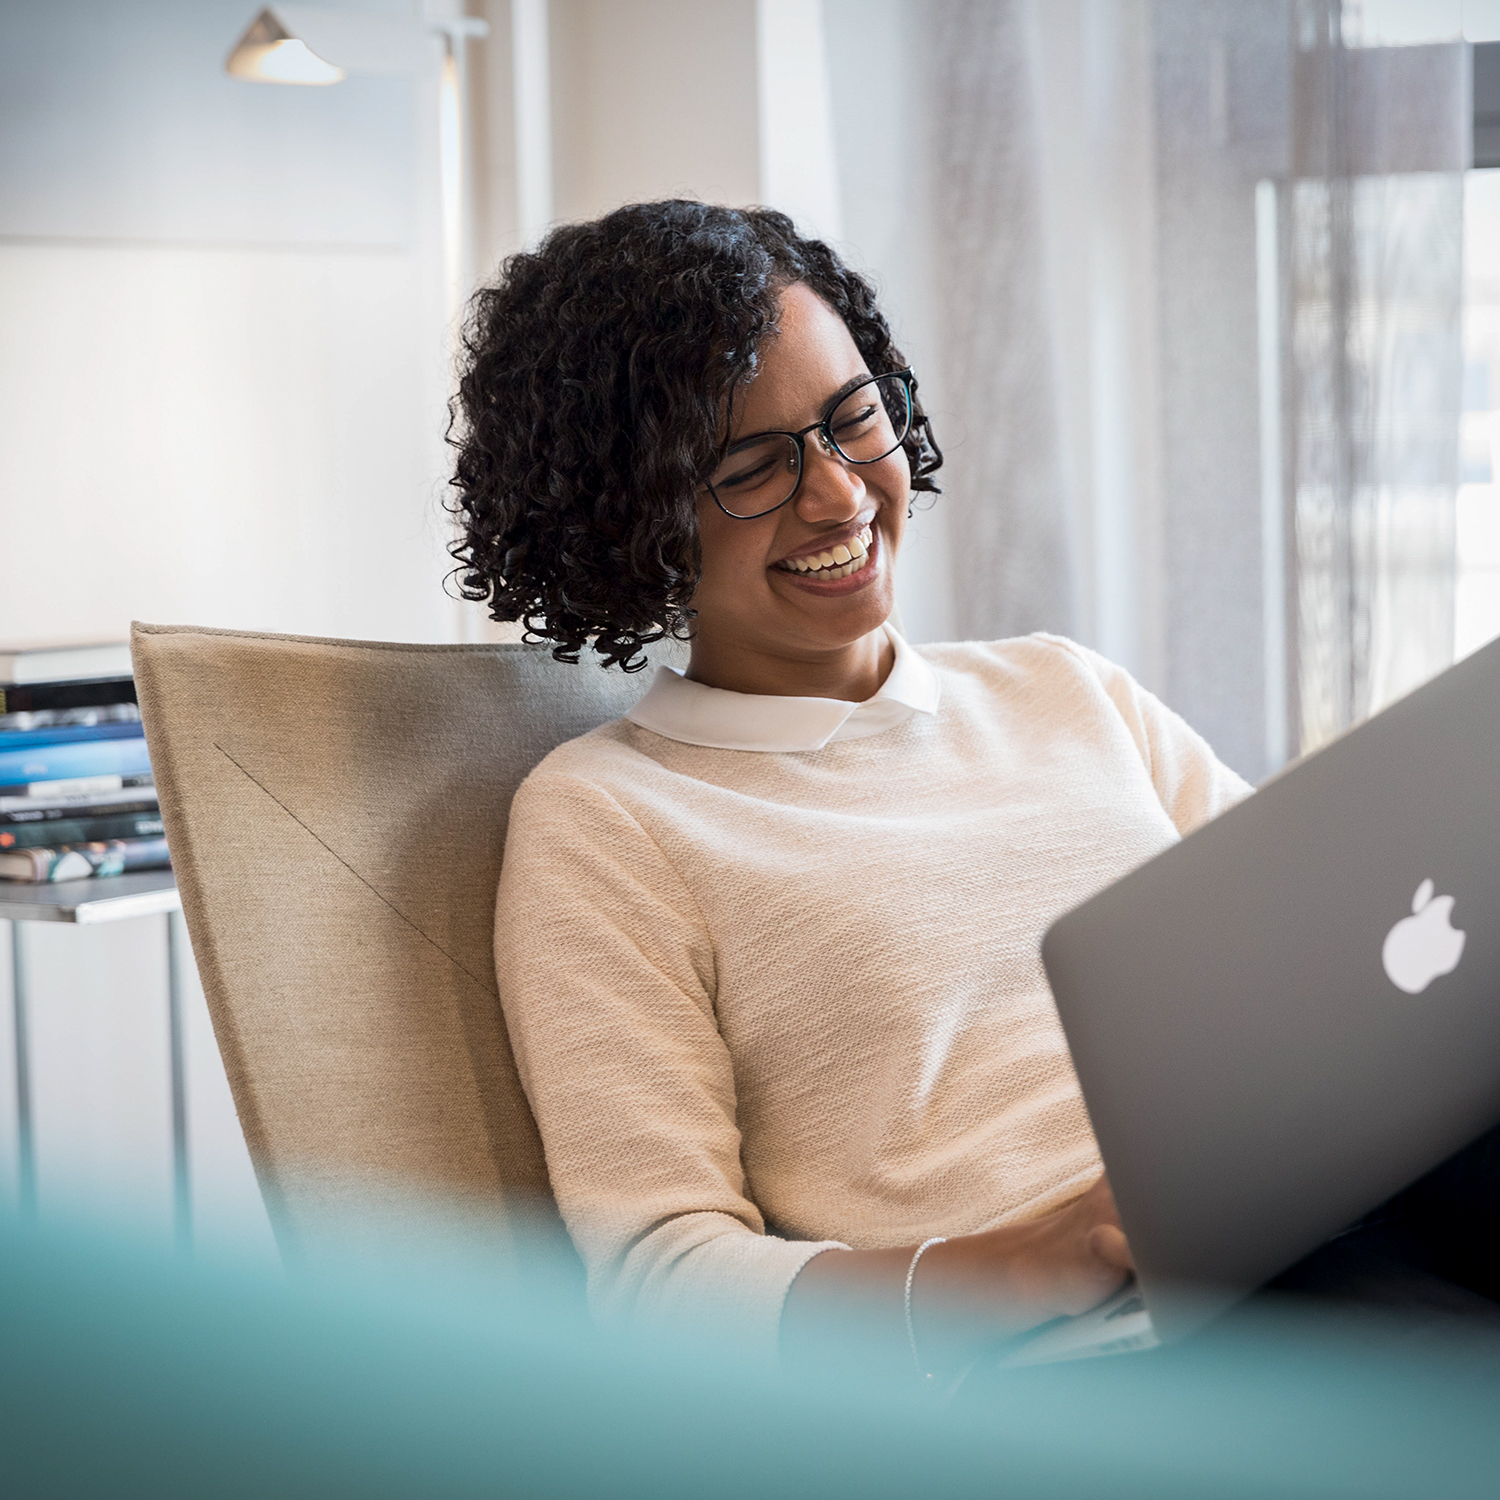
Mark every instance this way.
x=1289 y=1016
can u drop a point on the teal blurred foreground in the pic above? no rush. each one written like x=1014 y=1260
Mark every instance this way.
x=126 y=1374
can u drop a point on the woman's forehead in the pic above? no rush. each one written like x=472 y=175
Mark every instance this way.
x=808 y=358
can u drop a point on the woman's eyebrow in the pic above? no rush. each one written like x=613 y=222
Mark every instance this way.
x=851 y=384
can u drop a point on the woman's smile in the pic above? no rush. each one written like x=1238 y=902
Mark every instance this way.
x=833 y=559
x=845 y=567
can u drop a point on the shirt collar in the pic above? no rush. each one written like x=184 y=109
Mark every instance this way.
x=695 y=714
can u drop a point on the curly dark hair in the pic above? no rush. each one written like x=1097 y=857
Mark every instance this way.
x=596 y=390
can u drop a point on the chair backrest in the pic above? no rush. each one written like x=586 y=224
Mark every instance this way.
x=336 y=812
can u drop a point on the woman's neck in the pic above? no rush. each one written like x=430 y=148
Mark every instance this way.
x=853 y=672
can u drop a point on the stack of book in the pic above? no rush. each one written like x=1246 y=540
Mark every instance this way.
x=76 y=794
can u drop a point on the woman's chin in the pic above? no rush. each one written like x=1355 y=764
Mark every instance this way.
x=829 y=616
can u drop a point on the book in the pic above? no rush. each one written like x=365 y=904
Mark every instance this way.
x=25 y=721
x=80 y=861
x=64 y=734
x=64 y=662
x=131 y=825
x=138 y=799
x=57 y=762
x=73 y=786
x=49 y=697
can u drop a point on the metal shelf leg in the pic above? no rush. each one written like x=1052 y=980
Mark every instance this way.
x=182 y=1203
x=25 y=1138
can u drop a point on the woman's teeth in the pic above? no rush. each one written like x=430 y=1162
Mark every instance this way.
x=837 y=562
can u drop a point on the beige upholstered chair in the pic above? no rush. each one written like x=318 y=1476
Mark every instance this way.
x=336 y=812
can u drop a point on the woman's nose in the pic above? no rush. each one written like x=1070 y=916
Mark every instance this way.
x=831 y=490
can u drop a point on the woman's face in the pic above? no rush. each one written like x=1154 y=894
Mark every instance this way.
x=752 y=601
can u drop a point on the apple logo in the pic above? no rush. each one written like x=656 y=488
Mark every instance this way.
x=1422 y=946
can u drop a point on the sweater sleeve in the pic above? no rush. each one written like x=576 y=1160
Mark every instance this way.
x=1193 y=784
x=606 y=974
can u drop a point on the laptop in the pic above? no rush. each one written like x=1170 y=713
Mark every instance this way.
x=1293 y=1013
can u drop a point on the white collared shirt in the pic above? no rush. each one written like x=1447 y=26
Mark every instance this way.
x=695 y=714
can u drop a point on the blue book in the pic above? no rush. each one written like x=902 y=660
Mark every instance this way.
x=67 y=734
x=125 y=757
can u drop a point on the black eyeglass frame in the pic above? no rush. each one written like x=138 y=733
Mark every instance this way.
x=908 y=381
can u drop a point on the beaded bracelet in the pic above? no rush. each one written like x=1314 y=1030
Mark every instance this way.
x=911 y=1276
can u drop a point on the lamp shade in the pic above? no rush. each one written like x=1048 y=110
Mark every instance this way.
x=269 y=53
x=318 y=44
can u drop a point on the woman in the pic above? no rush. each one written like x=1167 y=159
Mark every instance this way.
x=767 y=947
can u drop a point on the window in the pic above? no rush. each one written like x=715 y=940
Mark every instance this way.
x=1477 y=594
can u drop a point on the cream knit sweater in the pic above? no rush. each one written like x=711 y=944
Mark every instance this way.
x=765 y=1003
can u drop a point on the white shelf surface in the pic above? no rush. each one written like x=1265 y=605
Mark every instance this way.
x=105 y=899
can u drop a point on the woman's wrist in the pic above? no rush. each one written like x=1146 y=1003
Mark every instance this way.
x=911 y=1328
x=979 y=1289
x=951 y=1297
x=964 y=1297
x=846 y=1300
x=857 y=1300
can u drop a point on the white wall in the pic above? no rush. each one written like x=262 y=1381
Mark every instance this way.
x=215 y=436
x=221 y=375
x=799 y=167
x=652 y=99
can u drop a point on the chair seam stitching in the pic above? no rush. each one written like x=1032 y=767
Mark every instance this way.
x=385 y=901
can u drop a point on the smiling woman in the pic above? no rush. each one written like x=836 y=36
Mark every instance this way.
x=604 y=385
x=767 y=946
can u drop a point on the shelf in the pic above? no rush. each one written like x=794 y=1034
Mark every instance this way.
x=107 y=899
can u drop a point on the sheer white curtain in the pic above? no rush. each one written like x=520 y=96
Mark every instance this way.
x=1003 y=481
x=1254 y=514
x=1374 y=260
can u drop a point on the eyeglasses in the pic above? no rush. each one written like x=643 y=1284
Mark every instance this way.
x=764 y=472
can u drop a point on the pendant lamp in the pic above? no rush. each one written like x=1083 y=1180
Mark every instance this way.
x=269 y=53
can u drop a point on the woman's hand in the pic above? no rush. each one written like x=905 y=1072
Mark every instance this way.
x=1021 y=1275
x=970 y=1290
